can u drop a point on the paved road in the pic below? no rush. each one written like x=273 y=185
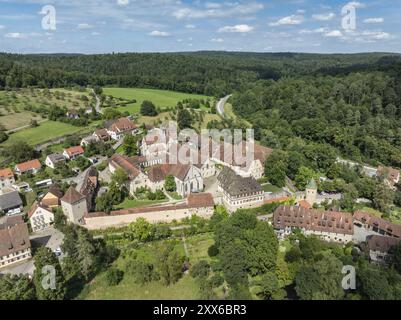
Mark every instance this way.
x=220 y=105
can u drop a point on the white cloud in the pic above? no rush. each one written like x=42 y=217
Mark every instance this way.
x=376 y=35
x=240 y=28
x=2 y=27
x=290 y=20
x=190 y=26
x=213 y=5
x=374 y=20
x=217 y=40
x=95 y=33
x=324 y=17
x=84 y=26
x=318 y=30
x=226 y=10
x=123 y=3
x=356 y=4
x=334 y=34
x=157 y=33
x=15 y=35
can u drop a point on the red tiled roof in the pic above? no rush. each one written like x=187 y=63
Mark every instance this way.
x=25 y=166
x=72 y=196
x=73 y=151
x=35 y=206
x=122 y=125
x=304 y=204
x=200 y=200
x=381 y=243
x=372 y=221
x=129 y=165
x=13 y=239
x=160 y=172
x=316 y=220
x=6 y=173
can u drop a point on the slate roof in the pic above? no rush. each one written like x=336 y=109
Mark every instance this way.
x=56 y=157
x=10 y=200
x=236 y=185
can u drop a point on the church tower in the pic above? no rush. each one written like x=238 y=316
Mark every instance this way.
x=311 y=192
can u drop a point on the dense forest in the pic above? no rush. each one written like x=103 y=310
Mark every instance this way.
x=211 y=73
x=349 y=102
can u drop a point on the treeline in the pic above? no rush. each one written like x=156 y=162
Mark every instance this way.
x=358 y=114
x=211 y=73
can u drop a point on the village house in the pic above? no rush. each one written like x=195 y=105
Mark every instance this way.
x=380 y=248
x=89 y=140
x=200 y=204
x=40 y=217
x=32 y=167
x=53 y=159
x=377 y=225
x=102 y=135
x=120 y=128
x=14 y=241
x=188 y=178
x=52 y=198
x=73 y=152
x=74 y=206
x=132 y=166
x=391 y=176
x=329 y=225
x=239 y=192
x=6 y=178
x=10 y=201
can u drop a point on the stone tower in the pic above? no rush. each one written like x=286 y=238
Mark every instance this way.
x=311 y=192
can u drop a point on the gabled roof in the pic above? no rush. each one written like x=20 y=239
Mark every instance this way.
x=381 y=243
x=10 y=200
x=56 y=157
x=370 y=220
x=129 y=165
x=14 y=238
x=200 y=200
x=56 y=191
x=73 y=151
x=29 y=165
x=102 y=133
x=35 y=206
x=311 y=219
x=236 y=185
x=160 y=172
x=122 y=125
x=72 y=196
x=6 y=173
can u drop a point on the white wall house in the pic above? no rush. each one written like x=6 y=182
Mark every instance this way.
x=40 y=217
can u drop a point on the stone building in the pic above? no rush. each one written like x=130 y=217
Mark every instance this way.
x=239 y=192
x=329 y=225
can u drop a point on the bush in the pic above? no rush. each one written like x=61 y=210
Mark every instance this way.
x=213 y=251
x=200 y=270
x=216 y=280
x=114 y=276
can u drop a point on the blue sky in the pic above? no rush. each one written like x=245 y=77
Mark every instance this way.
x=103 y=26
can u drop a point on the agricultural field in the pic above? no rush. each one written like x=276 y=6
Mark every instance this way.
x=164 y=100
x=19 y=107
x=46 y=131
x=185 y=289
x=161 y=98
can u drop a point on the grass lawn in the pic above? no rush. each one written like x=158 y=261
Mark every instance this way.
x=46 y=131
x=127 y=204
x=161 y=98
x=271 y=188
x=127 y=289
x=175 y=195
